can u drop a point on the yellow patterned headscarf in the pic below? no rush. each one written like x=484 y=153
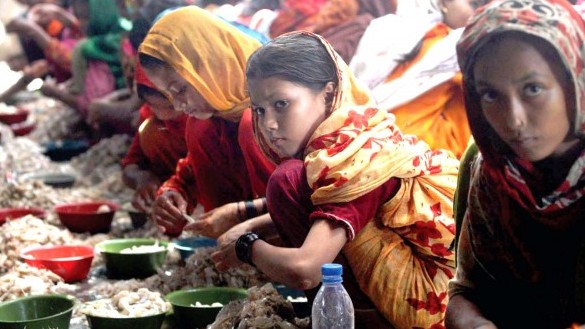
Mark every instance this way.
x=207 y=52
x=359 y=147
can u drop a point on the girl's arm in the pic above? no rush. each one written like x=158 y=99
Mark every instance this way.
x=298 y=268
x=462 y=312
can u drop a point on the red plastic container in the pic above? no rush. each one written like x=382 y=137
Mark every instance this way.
x=72 y=263
x=19 y=116
x=82 y=217
x=23 y=128
x=15 y=213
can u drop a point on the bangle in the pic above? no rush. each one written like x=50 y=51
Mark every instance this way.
x=244 y=247
x=264 y=206
x=238 y=212
x=251 y=210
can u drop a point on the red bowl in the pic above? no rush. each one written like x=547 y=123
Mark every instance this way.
x=72 y=263
x=23 y=128
x=15 y=213
x=19 y=115
x=82 y=217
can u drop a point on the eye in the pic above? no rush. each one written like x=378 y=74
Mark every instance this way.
x=259 y=111
x=487 y=96
x=280 y=104
x=533 y=89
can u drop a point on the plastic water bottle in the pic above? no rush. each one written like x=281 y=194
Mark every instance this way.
x=332 y=307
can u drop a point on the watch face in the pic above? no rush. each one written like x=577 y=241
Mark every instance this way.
x=244 y=247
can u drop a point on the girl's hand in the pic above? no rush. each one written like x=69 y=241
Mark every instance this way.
x=225 y=256
x=216 y=222
x=168 y=212
x=145 y=194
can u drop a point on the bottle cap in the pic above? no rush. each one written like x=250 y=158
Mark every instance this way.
x=331 y=269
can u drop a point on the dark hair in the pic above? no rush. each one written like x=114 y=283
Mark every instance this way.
x=150 y=62
x=298 y=58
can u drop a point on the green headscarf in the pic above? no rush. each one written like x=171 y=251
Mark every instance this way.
x=103 y=37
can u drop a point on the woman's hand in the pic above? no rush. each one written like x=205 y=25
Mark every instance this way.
x=168 y=212
x=145 y=194
x=216 y=222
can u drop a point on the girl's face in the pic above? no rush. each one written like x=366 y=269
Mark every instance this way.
x=183 y=96
x=523 y=98
x=162 y=108
x=288 y=113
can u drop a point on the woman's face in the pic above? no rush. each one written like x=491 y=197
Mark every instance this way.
x=288 y=113
x=523 y=98
x=183 y=96
x=162 y=108
x=456 y=13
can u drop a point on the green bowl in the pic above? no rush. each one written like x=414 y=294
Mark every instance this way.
x=134 y=265
x=144 y=322
x=190 y=316
x=37 y=312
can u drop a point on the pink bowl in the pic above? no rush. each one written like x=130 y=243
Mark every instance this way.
x=85 y=216
x=19 y=116
x=15 y=213
x=72 y=263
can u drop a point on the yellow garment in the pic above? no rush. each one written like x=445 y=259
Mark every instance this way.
x=438 y=116
x=401 y=258
x=207 y=52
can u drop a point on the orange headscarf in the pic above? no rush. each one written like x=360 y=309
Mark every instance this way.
x=207 y=52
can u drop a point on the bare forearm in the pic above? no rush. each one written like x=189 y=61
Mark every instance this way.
x=464 y=314
x=132 y=175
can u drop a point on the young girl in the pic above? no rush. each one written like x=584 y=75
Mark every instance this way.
x=521 y=252
x=157 y=146
x=349 y=187
x=197 y=60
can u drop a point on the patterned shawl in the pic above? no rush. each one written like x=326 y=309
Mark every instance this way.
x=207 y=52
x=556 y=23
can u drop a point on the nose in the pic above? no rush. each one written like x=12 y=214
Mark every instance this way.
x=270 y=121
x=180 y=104
x=516 y=114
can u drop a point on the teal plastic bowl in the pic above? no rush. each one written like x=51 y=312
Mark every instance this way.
x=187 y=246
x=133 y=265
x=190 y=316
x=37 y=312
x=144 y=322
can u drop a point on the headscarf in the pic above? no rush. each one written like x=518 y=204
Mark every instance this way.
x=557 y=24
x=356 y=149
x=103 y=37
x=207 y=52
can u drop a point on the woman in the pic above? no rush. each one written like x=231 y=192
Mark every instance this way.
x=521 y=251
x=349 y=187
x=414 y=73
x=197 y=60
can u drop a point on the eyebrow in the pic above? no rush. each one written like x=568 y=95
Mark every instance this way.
x=523 y=79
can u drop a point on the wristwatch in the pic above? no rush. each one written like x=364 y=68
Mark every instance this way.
x=244 y=247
